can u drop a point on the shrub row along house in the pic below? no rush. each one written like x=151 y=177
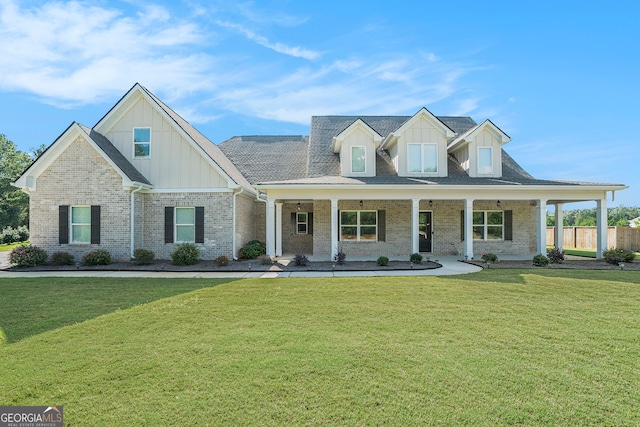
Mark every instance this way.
x=370 y=186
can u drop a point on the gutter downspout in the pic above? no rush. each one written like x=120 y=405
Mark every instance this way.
x=133 y=216
x=233 y=240
x=263 y=201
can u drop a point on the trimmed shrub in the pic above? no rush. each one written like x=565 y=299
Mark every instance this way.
x=266 y=260
x=61 y=258
x=97 y=257
x=540 y=260
x=340 y=257
x=185 y=254
x=382 y=261
x=253 y=249
x=415 y=258
x=555 y=255
x=488 y=256
x=222 y=261
x=27 y=256
x=300 y=260
x=615 y=256
x=143 y=256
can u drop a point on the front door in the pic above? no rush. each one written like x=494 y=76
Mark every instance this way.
x=424 y=231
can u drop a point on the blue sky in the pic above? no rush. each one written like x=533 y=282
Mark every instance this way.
x=560 y=77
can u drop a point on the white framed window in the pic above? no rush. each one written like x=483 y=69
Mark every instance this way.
x=422 y=158
x=185 y=225
x=485 y=160
x=141 y=143
x=302 y=223
x=358 y=159
x=488 y=225
x=359 y=226
x=80 y=224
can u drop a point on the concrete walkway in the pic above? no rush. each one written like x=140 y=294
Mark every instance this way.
x=450 y=266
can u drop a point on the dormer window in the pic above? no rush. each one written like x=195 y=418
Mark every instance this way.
x=422 y=158
x=358 y=159
x=141 y=143
x=485 y=160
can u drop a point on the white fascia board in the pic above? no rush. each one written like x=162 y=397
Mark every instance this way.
x=392 y=138
x=337 y=141
x=469 y=136
x=191 y=190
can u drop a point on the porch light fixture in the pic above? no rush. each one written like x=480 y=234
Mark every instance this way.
x=298 y=205
x=499 y=204
x=430 y=203
x=361 y=203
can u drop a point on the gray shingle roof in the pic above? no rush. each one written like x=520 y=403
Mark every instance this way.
x=212 y=150
x=115 y=155
x=268 y=158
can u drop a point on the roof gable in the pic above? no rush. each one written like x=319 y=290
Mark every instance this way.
x=337 y=141
x=470 y=134
x=201 y=144
x=130 y=175
x=392 y=138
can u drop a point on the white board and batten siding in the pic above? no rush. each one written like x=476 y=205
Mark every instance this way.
x=173 y=162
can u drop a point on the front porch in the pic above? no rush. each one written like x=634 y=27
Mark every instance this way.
x=396 y=228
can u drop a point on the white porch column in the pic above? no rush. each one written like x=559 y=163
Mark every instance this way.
x=278 y=229
x=334 y=228
x=541 y=238
x=415 y=225
x=468 y=229
x=602 y=227
x=270 y=232
x=559 y=231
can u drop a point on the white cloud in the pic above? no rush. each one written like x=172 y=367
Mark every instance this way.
x=294 y=51
x=75 y=53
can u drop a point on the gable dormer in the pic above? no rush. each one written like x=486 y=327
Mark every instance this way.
x=419 y=147
x=357 y=146
x=479 y=150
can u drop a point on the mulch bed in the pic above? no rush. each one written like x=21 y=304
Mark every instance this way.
x=572 y=264
x=239 y=266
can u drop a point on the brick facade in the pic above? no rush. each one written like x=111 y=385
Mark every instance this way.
x=80 y=176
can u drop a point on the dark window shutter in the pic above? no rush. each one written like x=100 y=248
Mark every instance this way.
x=382 y=226
x=310 y=223
x=293 y=223
x=338 y=224
x=95 y=225
x=63 y=225
x=199 y=224
x=462 y=226
x=508 y=225
x=168 y=224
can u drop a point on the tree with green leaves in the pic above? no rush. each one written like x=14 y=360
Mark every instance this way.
x=14 y=203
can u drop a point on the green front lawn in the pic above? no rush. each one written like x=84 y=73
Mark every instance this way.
x=500 y=347
x=7 y=247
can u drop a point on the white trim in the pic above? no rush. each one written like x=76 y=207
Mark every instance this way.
x=364 y=148
x=392 y=138
x=306 y=223
x=133 y=219
x=485 y=225
x=358 y=225
x=176 y=225
x=133 y=143
x=191 y=190
x=336 y=144
x=71 y=241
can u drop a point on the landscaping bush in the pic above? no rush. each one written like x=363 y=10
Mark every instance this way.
x=61 y=258
x=488 y=256
x=97 y=257
x=415 y=258
x=253 y=249
x=222 y=261
x=300 y=260
x=143 y=256
x=555 y=255
x=13 y=235
x=540 y=260
x=266 y=260
x=185 y=254
x=615 y=256
x=340 y=257
x=27 y=256
x=382 y=261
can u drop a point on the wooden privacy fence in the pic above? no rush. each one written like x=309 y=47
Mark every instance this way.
x=585 y=237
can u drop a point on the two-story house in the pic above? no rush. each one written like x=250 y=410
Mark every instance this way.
x=143 y=177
